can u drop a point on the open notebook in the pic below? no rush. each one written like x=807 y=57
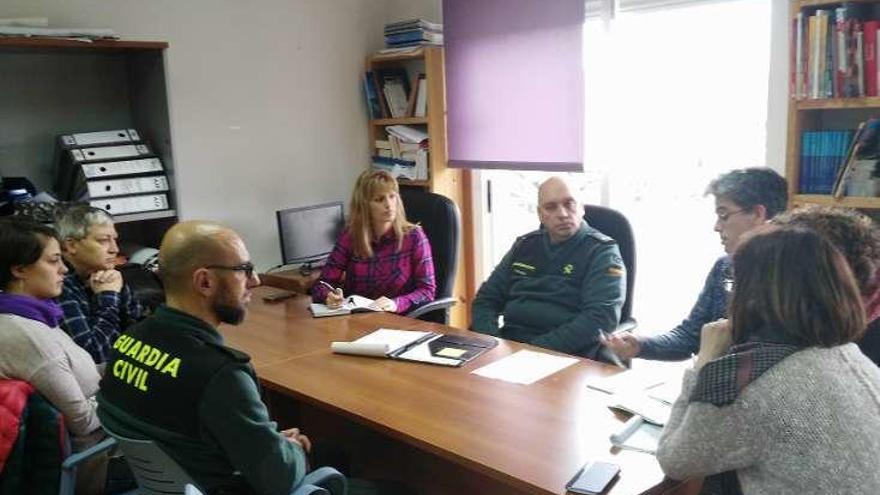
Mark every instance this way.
x=352 y=304
x=413 y=345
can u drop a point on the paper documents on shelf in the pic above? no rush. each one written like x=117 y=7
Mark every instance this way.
x=525 y=367
x=407 y=133
x=352 y=304
x=637 y=434
x=86 y=33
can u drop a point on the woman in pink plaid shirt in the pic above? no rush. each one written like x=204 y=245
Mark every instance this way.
x=379 y=254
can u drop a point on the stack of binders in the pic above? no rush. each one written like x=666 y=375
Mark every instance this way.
x=112 y=170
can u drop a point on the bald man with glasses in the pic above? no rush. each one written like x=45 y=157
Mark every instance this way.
x=171 y=378
x=744 y=199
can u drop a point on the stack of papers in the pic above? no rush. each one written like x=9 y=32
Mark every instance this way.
x=407 y=133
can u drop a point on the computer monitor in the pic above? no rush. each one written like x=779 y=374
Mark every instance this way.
x=308 y=233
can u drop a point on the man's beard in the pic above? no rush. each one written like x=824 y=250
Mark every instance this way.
x=226 y=312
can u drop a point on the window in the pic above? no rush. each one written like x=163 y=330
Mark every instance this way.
x=675 y=96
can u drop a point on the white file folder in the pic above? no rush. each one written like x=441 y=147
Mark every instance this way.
x=132 y=204
x=103 y=153
x=118 y=187
x=124 y=167
x=85 y=139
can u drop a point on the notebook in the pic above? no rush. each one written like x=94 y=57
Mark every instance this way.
x=352 y=304
x=413 y=345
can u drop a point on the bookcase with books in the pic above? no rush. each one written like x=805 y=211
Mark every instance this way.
x=407 y=131
x=90 y=122
x=833 y=95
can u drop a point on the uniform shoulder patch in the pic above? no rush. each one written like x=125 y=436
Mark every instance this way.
x=534 y=233
x=599 y=236
x=235 y=354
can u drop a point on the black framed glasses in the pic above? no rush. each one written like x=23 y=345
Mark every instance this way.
x=247 y=267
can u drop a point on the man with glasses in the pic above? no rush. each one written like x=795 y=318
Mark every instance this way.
x=97 y=304
x=744 y=199
x=557 y=287
x=171 y=379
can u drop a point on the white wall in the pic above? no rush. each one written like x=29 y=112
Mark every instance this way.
x=265 y=97
x=777 y=99
x=429 y=10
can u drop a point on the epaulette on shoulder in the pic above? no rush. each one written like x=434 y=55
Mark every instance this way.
x=599 y=236
x=525 y=237
x=531 y=234
x=235 y=354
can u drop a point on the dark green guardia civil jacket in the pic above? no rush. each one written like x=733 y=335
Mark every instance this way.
x=555 y=296
x=169 y=378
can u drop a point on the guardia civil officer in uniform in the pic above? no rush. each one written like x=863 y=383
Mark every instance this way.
x=170 y=378
x=557 y=287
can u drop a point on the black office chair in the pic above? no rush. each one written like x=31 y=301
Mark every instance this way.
x=439 y=218
x=613 y=224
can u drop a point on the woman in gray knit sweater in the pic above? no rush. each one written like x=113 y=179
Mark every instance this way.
x=780 y=400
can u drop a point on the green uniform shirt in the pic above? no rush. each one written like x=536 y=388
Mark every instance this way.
x=555 y=296
x=170 y=379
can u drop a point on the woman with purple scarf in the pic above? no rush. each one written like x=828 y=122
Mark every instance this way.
x=32 y=347
x=780 y=399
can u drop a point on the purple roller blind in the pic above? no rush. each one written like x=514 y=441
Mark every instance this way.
x=514 y=84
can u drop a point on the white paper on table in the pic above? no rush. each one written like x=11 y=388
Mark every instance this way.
x=525 y=367
x=666 y=392
x=394 y=339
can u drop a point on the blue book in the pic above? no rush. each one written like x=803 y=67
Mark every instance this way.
x=374 y=105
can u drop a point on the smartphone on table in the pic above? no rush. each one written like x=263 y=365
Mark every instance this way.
x=593 y=478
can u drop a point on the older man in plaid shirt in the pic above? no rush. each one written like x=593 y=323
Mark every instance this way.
x=96 y=302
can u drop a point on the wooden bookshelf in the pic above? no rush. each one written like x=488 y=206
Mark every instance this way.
x=402 y=120
x=98 y=45
x=822 y=114
x=845 y=201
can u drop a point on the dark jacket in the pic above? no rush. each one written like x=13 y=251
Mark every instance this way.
x=555 y=296
x=171 y=379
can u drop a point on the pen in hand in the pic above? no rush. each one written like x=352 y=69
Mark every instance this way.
x=325 y=284
x=609 y=353
x=334 y=298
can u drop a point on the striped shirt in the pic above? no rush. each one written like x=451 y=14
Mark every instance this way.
x=405 y=276
x=94 y=321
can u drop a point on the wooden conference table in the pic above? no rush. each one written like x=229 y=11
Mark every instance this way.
x=455 y=432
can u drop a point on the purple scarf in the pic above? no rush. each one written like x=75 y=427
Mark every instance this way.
x=43 y=310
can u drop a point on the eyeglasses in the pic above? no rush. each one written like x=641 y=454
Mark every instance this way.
x=246 y=267
x=724 y=216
